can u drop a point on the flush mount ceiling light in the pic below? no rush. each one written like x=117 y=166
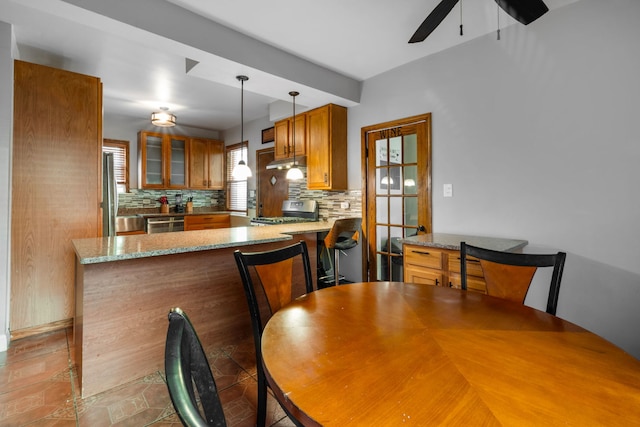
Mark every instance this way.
x=163 y=118
x=294 y=173
x=241 y=171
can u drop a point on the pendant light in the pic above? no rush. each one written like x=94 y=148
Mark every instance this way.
x=241 y=171
x=294 y=173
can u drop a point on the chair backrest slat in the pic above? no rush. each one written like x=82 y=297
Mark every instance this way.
x=508 y=275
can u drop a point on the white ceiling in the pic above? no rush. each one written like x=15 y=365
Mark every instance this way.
x=324 y=49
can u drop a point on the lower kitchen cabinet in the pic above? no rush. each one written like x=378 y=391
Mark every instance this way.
x=440 y=267
x=206 y=222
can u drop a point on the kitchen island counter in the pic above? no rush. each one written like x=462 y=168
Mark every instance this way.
x=125 y=286
x=108 y=249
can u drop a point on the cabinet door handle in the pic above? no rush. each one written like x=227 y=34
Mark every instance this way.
x=421 y=252
x=471 y=260
x=437 y=282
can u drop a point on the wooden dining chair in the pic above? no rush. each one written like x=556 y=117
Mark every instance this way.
x=508 y=275
x=185 y=363
x=268 y=275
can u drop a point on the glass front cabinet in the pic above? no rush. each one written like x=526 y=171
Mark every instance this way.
x=162 y=160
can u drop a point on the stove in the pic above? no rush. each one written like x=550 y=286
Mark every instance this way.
x=292 y=211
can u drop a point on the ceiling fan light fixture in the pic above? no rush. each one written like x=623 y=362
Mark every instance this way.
x=163 y=118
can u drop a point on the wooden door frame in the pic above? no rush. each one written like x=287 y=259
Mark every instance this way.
x=366 y=219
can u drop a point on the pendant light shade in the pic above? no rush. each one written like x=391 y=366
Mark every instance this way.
x=163 y=118
x=241 y=171
x=294 y=173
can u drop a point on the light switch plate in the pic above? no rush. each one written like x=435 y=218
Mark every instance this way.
x=447 y=190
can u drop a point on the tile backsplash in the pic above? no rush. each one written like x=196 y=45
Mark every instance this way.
x=329 y=202
x=147 y=199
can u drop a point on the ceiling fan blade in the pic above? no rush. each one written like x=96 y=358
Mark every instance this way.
x=525 y=11
x=433 y=20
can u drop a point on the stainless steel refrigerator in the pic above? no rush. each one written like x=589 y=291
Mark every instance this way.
x=109 y=196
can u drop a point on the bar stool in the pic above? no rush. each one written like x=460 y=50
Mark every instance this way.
x=344 y=234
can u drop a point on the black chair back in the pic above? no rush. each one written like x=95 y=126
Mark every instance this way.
x=508 y=275
x=185 y=364
x=273 y=272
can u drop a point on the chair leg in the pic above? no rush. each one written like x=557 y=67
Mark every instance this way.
x=336 y=263
x=261 y=418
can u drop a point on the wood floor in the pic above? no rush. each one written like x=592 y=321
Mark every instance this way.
x=39 y=387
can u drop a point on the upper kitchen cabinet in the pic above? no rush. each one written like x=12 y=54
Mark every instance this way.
x=284 y=137
x=206 y=164
x=162 y=160
x=327 y=148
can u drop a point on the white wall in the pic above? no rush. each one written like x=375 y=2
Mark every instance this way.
x=537 y=133
x=6 y=128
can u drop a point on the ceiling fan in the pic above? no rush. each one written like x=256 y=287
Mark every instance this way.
x=524 y=11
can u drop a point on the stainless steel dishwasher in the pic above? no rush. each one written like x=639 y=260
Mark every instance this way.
x=165 y=224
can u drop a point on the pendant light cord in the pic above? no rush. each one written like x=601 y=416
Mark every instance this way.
x=242 y=80
x=294 y=94
x=498 y=22
x=461 y=17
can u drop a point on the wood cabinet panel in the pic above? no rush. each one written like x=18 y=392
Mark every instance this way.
x=441 y=267
x=206 y=164
x=206 y=222
x=283 y=130
x=56 y=190
x=327 y=148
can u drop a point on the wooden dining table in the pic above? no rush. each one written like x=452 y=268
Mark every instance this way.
x=392 y=354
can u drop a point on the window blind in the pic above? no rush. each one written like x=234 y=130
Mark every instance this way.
x=236 y=189
x=120 y=150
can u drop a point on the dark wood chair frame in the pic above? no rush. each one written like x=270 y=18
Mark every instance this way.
x=518 y=259
x=185 y=363
x=251 y=259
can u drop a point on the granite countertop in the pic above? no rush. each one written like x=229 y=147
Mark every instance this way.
x=452 y=241
x=108 y=249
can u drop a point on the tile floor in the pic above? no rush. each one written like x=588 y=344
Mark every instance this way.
x=39 y=387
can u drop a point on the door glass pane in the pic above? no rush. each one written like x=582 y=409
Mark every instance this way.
x=411 y=211
x=382 y=243
x=381 y=152
x=382 y=211
x=395 y=210
x=395 y=150
x=154 y=160
x=410 y=177
x=395 y=179
x=382 y=180
x=410 y=152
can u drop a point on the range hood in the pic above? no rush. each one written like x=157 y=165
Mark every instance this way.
x=287 y=163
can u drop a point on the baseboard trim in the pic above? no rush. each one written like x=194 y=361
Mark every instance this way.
x=41 y=329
